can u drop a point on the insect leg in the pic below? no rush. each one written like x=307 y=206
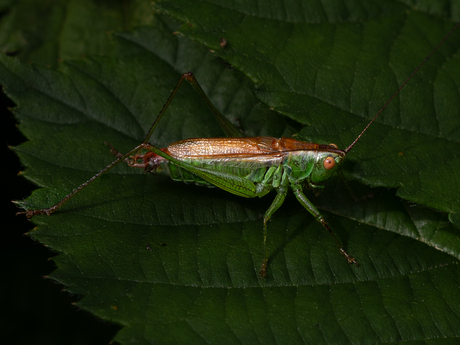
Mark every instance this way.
x=48 y=211
x=279 y=199
x=227 y=126
x=297 y=189
x=113 y=150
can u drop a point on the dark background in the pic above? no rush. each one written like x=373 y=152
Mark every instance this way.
x=35 y=310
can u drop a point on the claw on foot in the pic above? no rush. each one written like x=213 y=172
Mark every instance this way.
x=350 y=259
x=30 y=213
x=263 y=270
x=113 y=150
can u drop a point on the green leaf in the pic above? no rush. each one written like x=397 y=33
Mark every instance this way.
x=48 y=31
x=179 y=263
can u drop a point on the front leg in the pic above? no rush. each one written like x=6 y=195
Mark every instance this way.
x=297 y=189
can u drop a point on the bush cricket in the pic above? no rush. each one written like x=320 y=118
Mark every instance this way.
x=245 y=166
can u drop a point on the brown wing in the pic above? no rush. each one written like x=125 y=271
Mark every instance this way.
x=236 y=147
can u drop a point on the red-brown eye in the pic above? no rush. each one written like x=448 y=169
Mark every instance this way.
x=329 y=163
x=333 y=145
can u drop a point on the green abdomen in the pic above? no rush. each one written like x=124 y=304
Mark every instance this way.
x=254 y=174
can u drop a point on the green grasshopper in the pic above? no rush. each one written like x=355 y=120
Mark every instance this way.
x=247 y=167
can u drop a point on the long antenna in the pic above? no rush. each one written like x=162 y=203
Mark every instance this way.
x=400 y=88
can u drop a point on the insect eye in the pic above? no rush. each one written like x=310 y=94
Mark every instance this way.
x=329 y=163
x=333 y=145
